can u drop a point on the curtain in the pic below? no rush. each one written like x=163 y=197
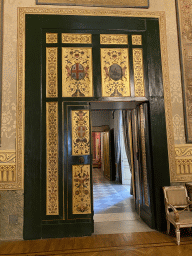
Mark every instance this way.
x=126 y=117
x=117 y=140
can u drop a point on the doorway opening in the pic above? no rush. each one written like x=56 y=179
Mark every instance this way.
x=113 y=184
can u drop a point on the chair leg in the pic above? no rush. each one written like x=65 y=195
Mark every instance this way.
x=168 y=227
x=178 y=235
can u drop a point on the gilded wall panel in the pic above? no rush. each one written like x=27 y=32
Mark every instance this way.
x=144 y=163
x=7 y=169
x=115 y=72
x=7 y=173
x=81 y=201
x=178 y=126
x=69 y=38
x=80 y=132
x=77 y=72
x=52 y=194
x=113 y=39
x=184 y=13
x=138 y=72
x=51 y=72
x=136 y=40
x=51 y=38
x=183 y=160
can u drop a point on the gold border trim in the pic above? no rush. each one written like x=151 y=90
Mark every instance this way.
x=183 y=161
x=106 y=3
x=7 y=165
x=91 y=12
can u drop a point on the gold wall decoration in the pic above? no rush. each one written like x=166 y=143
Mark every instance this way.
x=113 y=39
x=51 y=72
x=81 y=201
x=102 y=3
x=183 y=160
x=136 y=40
x=22 y=12
x=77 y=72
x=69 y=38
x=144 y=164
x=115 y=72
x=7 y=168
x=80 y=132
x=138 y=72
x=184 y=12
x=52 y=193
x=51 y=38
x=7 y=157
x=7 y=173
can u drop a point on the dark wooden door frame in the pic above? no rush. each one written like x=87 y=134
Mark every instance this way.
x=155 y=96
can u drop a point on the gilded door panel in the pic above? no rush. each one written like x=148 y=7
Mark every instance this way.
x=80 y=132
x=81 y=189
x=75 y=38
x=138 y=72
x=51 y=72
x=52 y=188
x=77 y=72
x=113 y=39
x=78 y=160
x=115 y=72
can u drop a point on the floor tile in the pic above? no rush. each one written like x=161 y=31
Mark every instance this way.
x=114 y=207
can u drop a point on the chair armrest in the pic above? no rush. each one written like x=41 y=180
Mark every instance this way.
x=188 y=201
x=175 y=212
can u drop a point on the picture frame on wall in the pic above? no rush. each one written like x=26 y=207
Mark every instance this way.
x=184 y=23
x=97 y=3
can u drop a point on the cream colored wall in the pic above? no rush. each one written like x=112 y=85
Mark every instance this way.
x=8 y=132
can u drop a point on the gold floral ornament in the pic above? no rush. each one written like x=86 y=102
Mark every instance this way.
x=51 y=72
x=136 y=40
x=51 y=38
x=77 y=72
x=52 y=190
x=81 y=189
x=138 y=72
x=113 y=39
x=80 y=132
x=115 y=72
x=68 y=38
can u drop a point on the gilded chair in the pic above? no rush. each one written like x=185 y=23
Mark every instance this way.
x=177 y=209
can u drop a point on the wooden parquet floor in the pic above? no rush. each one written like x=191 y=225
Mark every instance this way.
x=138 y=243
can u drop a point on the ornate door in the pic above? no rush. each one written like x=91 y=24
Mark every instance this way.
x=143 y=166
x=63 y=72
x=78 y=166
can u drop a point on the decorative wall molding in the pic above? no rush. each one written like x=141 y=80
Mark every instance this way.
x=184 y=11
x=102 y=3
x=7 y=157
x=7 y=169
x=91 y=12
x=183 y=160
x=1 y=54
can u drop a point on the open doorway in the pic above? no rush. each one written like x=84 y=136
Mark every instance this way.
x=113 y=197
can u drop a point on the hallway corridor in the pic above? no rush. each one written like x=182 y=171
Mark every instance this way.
x=114 y=210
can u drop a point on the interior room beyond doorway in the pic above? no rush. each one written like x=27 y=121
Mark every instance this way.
x=113 y=200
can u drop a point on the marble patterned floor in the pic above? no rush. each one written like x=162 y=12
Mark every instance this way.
x=114 y=210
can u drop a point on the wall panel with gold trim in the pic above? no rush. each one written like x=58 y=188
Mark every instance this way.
x=115 y=72
x=77 y=72
x=81 y=200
